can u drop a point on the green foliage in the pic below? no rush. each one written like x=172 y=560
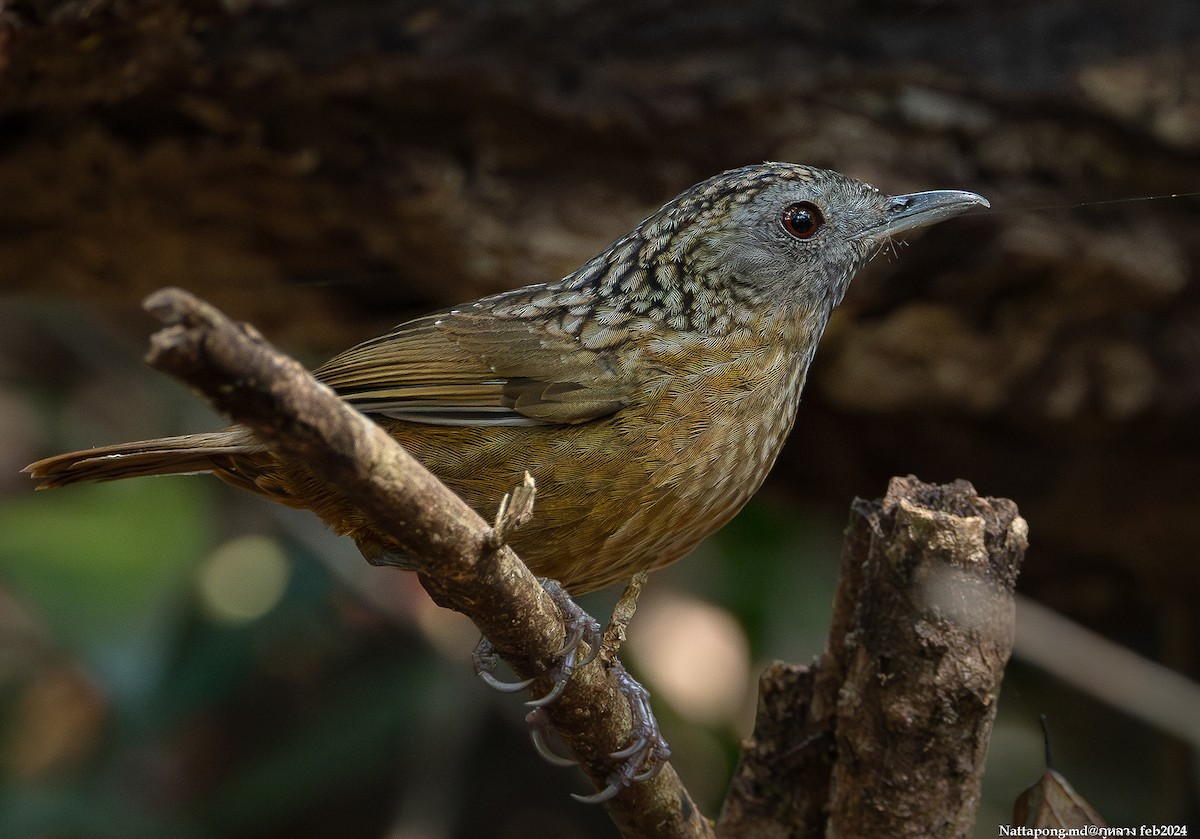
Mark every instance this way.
x=104 y=565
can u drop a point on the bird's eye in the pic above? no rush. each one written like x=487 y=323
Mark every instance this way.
x=802 y=219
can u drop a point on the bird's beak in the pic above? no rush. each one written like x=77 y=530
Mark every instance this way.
x=921 y=209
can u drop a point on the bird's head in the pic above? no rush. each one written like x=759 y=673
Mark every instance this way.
x=792 y=232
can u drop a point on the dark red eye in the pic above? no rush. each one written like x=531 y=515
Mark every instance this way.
x=802 y=220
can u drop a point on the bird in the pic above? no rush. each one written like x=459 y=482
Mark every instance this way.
x=648 y=393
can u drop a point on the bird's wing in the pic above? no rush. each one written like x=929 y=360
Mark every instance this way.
x=471 y=367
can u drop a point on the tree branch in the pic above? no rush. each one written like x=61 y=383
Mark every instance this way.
x=303 y=421
x=886 y=734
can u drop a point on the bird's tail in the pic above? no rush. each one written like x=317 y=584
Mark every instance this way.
x=182 y=455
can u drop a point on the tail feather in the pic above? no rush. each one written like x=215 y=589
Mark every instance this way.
x=187 y=454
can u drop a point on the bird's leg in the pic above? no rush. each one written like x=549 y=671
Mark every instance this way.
x=581 y=628
x=644 y=757
x=646 y=754
x=640 y=761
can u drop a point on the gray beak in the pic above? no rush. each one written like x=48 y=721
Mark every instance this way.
x=921 y=209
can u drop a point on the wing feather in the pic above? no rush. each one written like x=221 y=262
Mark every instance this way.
x=472 y=367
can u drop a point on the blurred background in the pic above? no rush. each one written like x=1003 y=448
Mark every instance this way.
x=180 y=659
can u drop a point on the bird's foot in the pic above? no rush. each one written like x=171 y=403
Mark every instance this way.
x=646 y=754
x=581 y=628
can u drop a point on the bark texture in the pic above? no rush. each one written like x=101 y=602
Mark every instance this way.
x=886 y=734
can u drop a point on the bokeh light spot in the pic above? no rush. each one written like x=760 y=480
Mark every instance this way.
x=243 y=579
x=695 y=654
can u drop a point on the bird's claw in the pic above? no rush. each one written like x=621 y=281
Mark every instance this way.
x=581 y=628
x=645 y=756
x=539 y=728
x=485 y=659
x=564 y=671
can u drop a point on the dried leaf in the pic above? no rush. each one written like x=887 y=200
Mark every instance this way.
x=1052 y=802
